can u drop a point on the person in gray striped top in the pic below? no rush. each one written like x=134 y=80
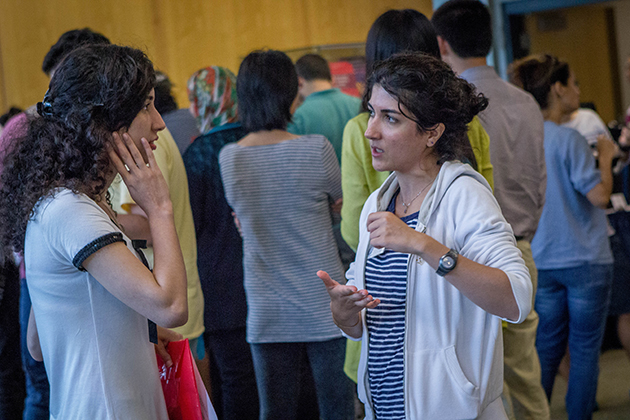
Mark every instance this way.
x=282 y=188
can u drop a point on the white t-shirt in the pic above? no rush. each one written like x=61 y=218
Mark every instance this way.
x=96 y=349
x=589 y=124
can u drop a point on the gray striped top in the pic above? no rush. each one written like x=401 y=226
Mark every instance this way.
x=281 y=194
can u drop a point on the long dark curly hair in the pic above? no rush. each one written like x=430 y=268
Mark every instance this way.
x=432 y=94
x=96 y=90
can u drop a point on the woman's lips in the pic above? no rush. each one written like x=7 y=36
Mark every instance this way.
x=376 y=151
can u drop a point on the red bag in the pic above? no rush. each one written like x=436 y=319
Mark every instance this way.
x=185 y=394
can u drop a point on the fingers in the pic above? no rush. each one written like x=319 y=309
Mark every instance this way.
x=135 y=153
x=160 y=347
x=114 y=156
x=328 y=282
x=149 y=153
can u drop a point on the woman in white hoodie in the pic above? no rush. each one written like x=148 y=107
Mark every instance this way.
x=437 y=266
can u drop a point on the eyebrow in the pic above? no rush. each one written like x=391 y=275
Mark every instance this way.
x=386 y=111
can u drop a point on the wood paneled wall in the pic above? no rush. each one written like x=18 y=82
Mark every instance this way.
x=585 y=44
x=180 y=36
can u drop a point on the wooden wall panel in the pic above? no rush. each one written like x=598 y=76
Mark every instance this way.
x=180 y=36
x=584 y=44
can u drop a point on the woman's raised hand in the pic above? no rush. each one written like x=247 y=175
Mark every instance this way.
x=345 y=303
x=144 y=179
x=388 y=231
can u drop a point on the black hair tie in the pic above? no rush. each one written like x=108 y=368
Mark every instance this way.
x=45 y=108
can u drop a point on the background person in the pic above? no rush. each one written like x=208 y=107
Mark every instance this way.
x=437 y=266
x=571 y=247
x=180 y=122
x=212 y=90
x=281 y=187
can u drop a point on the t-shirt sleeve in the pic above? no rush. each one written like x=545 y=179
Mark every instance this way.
x=76 y=227
x=581 y=163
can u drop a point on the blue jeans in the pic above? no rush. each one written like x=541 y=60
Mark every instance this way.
x=37 y=388
x=278 y=369
x=11 y=375
x=572 y=305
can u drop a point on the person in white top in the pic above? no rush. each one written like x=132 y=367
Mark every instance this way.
x=92 y=294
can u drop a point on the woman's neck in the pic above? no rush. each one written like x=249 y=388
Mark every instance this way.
x=556 y=115
x=265 y=137
x=414 y=187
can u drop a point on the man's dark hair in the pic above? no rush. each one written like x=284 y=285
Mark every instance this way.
x=266 y=87
x=164 y=101
x=466 y=25
x=68 y=42
x=12 y=112
x=313 y=67
x=397 y=31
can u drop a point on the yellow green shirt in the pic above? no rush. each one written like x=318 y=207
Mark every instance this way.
x=170 y=162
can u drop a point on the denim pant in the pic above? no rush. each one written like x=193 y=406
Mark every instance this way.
x=279 y=370
x=232 y=378
x=11 y=375
x=572 y=304
x=37 y=388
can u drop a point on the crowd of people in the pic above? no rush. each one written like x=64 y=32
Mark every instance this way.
x=437 y=247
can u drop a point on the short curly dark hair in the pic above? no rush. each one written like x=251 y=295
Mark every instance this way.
x=96 y=90
x=68 y=42
x=431 y=94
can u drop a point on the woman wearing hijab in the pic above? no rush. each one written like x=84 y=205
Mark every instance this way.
x=212 y=94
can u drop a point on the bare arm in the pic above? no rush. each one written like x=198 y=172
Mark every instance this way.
x=487 y=287
x=599 y=195
x=136 y=226
x=159 y=295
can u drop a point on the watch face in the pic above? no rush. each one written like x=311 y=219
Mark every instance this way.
x=448 y=262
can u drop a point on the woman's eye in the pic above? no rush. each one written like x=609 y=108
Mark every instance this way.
x=390 y=119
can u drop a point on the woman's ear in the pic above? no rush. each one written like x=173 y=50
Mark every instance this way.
x=434 y=134
x=557 y=89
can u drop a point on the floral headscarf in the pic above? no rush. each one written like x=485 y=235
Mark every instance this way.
x=212 y=95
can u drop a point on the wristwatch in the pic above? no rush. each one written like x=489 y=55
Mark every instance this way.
x=447 y=262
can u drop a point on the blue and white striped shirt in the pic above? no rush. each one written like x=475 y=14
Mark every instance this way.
x=386 y=279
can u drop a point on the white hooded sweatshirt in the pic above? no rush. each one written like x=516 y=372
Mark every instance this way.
x=453 y=349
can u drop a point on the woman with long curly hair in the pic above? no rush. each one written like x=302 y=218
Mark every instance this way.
x=437 y=266
x=92 y=295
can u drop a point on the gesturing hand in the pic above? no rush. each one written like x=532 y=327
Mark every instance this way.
x=144 y=180
x=388 y=231
x=346 y=301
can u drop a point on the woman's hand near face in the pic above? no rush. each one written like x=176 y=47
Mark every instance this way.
x=388 y=231
x=346 y=302
x=144 y=180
